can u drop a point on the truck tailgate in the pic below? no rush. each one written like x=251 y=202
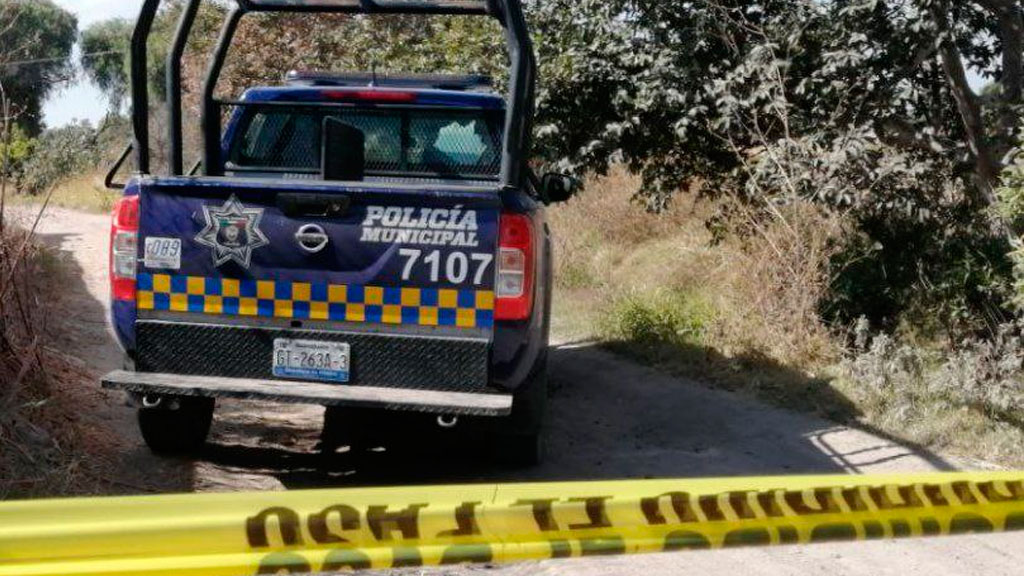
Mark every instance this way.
x=403 y=278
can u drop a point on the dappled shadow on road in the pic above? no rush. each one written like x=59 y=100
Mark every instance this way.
x=114 y=458
x=609 y=419
x=785 y=387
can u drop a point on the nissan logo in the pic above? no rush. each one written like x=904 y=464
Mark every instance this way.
x=312 y=238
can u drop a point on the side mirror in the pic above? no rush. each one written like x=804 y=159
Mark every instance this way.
x=343 y=154
x=558 y=187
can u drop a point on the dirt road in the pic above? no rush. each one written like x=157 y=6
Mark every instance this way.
x=609 y=419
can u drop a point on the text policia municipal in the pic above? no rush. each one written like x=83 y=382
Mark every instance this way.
x=424 y=226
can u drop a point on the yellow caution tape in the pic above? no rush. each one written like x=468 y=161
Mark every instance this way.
x=330 y=530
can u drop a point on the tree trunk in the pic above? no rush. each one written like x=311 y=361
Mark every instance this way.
x=986 y=167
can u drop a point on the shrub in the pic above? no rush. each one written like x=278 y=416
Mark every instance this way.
x=38 y=429
x=659 y=319
x=947 y=277
x=777 y=275
x=20 y=149
x=1011 y=209
x=987 y=375
x=889 y=371
x=983 y=375
x=59 y=153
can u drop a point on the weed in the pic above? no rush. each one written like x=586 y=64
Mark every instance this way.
x=970 y=399
x=574 y=275
x=40 y=431
x=660 y=318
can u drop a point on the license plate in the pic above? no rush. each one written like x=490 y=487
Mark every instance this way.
x=311 y=360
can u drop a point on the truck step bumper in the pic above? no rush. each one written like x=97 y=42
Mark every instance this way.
x=297 y=392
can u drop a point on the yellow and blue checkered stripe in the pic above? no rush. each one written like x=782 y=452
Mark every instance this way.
x=316 y=301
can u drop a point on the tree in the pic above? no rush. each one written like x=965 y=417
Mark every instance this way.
x=660 y=81
x=343 y=42
x=968 y=27
x=104 y=47
x=58 y=154
x=860 y=106
x=37 y=37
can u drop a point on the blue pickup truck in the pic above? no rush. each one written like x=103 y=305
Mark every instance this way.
x=372 y=243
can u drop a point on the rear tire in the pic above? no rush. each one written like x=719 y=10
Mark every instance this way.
x=342 y=427
x=180 y=431
x=520 y=442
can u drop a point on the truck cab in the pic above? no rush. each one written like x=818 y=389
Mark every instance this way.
x=357 y=241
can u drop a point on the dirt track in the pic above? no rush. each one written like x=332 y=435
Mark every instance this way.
x=609 y=419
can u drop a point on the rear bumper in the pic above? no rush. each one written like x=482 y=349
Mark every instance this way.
x=430 y=401
x=425 y=361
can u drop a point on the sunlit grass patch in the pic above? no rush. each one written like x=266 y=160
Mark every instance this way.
x=85 y=192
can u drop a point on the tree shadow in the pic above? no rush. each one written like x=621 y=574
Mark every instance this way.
x=760 y=378
x=610 y=418
x=113 y=457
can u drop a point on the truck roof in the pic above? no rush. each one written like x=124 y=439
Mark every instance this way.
x=415 y=96
x=461 y=82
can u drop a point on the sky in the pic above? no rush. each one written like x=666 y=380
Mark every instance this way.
x=83 y=101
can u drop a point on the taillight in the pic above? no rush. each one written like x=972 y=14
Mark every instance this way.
x=124 y=232
x=514 y=289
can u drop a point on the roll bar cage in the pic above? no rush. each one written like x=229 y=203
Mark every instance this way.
x=509 y=13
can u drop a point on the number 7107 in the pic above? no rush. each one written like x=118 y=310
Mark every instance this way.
x=456 y=268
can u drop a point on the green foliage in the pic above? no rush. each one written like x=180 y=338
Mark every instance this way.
x=21 y=147
x=660 y=319
x=385 y=43
x=59 y=154
x=204 y=33
x=944 y=281
x=1011 y=208
x=843 y=102
x=37 y=37
x=110 y=41
x=986 y=376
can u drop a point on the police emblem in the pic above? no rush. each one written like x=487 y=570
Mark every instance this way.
x=232 y=231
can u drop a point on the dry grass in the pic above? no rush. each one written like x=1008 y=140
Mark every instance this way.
x=968 y=401
x=758 y=291
x=775 y=276
x=742 y=314
x=39 y=430
x=85 y=192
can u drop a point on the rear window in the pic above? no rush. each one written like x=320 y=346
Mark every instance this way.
x=402 y=142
